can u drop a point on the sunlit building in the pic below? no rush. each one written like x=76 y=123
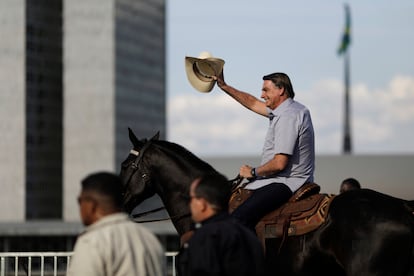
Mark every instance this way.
x=75 y=74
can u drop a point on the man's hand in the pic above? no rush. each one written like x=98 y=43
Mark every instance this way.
x=220 y=80
x=246 y=171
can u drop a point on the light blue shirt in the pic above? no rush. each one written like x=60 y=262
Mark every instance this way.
x=290 y=132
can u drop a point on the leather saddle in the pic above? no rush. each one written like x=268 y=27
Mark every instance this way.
x=305 y=211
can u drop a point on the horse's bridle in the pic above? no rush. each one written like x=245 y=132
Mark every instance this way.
x=134 y=166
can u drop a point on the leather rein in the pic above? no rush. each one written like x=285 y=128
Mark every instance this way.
x=234 y=182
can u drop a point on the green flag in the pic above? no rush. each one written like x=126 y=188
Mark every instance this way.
x=346 y=37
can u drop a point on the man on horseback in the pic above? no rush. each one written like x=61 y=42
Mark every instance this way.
x=288 y=155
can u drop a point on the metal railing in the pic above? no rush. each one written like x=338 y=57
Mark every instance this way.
x=34 y=263
x=49 y=263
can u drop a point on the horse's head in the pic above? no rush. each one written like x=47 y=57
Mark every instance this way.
x=135 y=173
x=168 y=169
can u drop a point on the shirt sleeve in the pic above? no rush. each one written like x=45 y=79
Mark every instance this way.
x=286 y=133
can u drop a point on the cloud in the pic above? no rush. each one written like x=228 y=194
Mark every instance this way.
x=385 y=117
x=213 y=124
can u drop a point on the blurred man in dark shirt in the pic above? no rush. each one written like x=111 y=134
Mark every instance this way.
x=220 y=245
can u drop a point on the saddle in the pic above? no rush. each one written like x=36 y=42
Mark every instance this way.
x=305 y=211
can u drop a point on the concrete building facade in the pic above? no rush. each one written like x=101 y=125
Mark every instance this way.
x=75 y=75
x=12 y=110
x=114 y=79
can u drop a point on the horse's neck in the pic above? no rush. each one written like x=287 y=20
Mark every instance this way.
x=180 y=215
x=177 y=209
x=172 y=194
x=175 y=172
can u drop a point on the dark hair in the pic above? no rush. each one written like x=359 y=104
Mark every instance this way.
x=215 y=189
x=281 y=80
x=105 y=184
x=352 y=182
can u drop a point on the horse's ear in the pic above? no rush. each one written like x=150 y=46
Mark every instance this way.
x=156 y=136
x=132 y=137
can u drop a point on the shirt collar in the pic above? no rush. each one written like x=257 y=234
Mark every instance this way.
x=216 y=217
x=109 y=219
x=280 y=108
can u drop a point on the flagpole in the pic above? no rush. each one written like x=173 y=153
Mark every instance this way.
x=344 y=50
x=347 y=143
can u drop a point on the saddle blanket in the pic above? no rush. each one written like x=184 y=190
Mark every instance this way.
x=295 y=218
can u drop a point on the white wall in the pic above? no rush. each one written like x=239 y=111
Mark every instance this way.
x=88 y=94
x=390 y=174
x=12 y=110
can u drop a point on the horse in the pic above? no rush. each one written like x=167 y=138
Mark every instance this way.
x=365 y=232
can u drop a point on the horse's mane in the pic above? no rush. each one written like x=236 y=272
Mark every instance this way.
x=181 y=154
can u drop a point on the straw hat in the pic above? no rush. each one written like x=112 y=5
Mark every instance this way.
x=201 y=70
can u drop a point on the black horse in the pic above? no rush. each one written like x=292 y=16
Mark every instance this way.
x=366 y=233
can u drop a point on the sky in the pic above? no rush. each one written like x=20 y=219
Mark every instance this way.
x=299 y=38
